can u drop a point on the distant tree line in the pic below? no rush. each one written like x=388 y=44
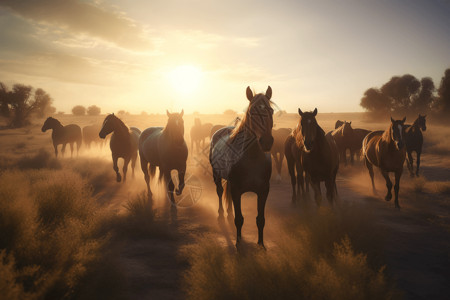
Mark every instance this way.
x=80 y=110
x=21 y=102
x=406 y=94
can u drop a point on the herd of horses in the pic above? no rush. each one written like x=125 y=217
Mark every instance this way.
x=240 y=155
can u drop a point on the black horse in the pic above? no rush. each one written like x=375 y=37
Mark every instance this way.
x=414 y=142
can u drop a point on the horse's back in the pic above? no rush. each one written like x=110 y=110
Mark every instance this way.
x=358 y=137
x=72 y=133
x=148 y=144
x=369 y=146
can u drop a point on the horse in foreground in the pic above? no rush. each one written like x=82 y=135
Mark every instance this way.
x=414 y=142
x=343 y=136
x=64 y=135
x=240 y=156
x=277 y=151
x=165 y=147
x=320 y=155
x=123 y=143
x=199 y=132
x=386 y=150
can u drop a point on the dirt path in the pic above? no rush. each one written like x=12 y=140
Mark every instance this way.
x=417 y=245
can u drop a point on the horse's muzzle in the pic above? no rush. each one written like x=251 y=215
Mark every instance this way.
x=101 y=135
x=308 y=145
x=266 y=143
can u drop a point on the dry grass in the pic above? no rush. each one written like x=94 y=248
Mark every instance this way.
x=315 y=258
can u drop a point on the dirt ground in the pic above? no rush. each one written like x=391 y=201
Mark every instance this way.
x=417 y=240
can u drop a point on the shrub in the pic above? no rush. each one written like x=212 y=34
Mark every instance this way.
x=79 y=110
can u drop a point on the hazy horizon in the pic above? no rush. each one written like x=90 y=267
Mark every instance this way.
x=201 y=55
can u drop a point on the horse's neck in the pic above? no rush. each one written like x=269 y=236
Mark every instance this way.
x=121 y=129
x=386 y=137
x=57 y=126
x=415 y=126
x=320 y=138
x=169 y=133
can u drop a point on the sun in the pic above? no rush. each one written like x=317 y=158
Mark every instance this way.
x=185 y=79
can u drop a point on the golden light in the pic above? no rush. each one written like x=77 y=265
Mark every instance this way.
x=185 y=79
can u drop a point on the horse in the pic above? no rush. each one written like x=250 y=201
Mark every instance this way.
x=386 y=150
x=165 y=147
x=293 y=148
x=123 y=143
x=277 y=150
x=358 y=136
x=199 y=132
x=215 y=128
x=343 y=136
x=319 y=156
x=90 y=135
x=414 y=142
x=64 y=135
x=240 y=156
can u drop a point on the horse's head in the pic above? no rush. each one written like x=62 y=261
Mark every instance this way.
x=175 y=125
x=421 y=121
x=108 y=126
x=260 y=117
x=398 y=132
x=49 y=124
x=309 y=128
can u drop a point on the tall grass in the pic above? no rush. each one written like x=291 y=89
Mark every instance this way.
x=48 y=233
x=311 y=261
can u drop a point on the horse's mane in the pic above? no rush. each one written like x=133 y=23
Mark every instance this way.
x=244 y=122
x=55 y=121
x=386 y=136
x=297 y=132
x=120 y=122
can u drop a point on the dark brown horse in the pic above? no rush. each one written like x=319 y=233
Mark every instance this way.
x=220 y=126
x=199 y=132
x=277 y=151
x=386 y=150
x=165 y=148
x=343 y=136
x=320 y=155
x=64 y=135
x=414 y=142
x=358 y=136
x=124 y=144
x=240 y=156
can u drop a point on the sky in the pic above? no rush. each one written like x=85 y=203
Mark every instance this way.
x=200 y=55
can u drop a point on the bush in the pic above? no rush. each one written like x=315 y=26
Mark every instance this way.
x=93 y=110
x=79 y=110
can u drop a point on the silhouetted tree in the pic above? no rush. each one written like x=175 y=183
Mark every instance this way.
x=375 y=101
x=443 y=101
x=4 y=100
x=421 y=103
x=43 y=103
x=400 y=90
x=21 y=104
x=79 y=110
x=93 y=110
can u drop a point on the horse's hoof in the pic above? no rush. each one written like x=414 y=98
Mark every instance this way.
x=388 y=198
x=178 y=192
x=119 y=178
x=261 y=246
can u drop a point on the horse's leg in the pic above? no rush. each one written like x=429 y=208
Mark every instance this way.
x=56 y=149
x=418 y=163
x=116 y=168
x=370 y=168
x=181 y=174
x=278 y=163
x=352 y=153
x=291 y=166
x=388 y=185
x=219 y=191
x=409 y=163
x=170 y=186
x=398 y=174
x=63 y=149
x=238 y=217
x=144 y=167
x=300 y=180
x=78 y=146
x=71 y=150
x=260 y=219
x=317 y=193
x=126 y=161
x=330 y=186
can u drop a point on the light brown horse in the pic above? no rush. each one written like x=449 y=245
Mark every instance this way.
x=240 y=156
x=165 y=148
x=386 y=150
x=123 y=144
x=64 y=135
x=277 y=151
x=414 y=142
x=199 y=132
x=320 y=156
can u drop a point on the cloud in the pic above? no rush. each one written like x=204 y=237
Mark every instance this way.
x=81 y=17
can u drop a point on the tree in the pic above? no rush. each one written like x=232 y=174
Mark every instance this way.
x=79 y=110
x=443 y=101
x=229 y=112
x=375 y=101
x=93 y=110
x=4 y=100
x=43 y=103
x=400 y=90
x=423 y=101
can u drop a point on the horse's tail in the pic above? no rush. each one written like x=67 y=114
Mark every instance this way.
x=227 y=193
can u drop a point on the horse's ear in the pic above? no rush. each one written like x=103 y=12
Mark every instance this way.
x=269 y=92
x=182 y=113
x=168 y=113
x=350 y=123
x=249 y=94
x=300 y=112
x=315 y=112
x=392 y=120
x=404 y=119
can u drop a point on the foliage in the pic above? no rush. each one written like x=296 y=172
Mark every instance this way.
x=443 y=102
x=93 y=110
x=79 y=110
